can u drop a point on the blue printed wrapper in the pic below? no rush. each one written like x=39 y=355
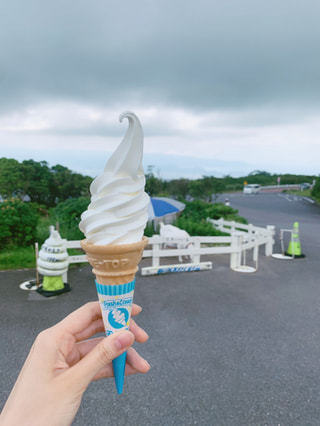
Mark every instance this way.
x=116 y=305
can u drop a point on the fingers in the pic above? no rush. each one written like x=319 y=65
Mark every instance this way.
x=134 y=364
x=100 y=356
x=97 y=327
x=93 y=329
x=82 y=318
x=86 y=321
x=86 y=346
x=139 y=334
x=136 y=309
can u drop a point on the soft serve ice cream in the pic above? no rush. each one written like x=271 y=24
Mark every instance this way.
x=118 y=211
x=113 y=226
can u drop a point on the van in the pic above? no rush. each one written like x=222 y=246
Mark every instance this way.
x=251 y=189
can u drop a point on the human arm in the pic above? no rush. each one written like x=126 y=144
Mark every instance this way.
x=62 y=363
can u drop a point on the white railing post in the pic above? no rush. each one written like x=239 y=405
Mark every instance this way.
x=235 y=257
x=255 y=249
x=196 y=243
x=155 y=257
x=270 y=241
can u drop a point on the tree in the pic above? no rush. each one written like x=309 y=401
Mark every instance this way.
x=206 y=188
x=178 y=188
x=68 y=214
x=259 y=172
x=18 y=222
x=65 y=184
x=153 y=185
x=11 y=177
x=36 y=181
x=42 y=184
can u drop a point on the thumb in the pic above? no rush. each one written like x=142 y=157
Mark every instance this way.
x=108 y=349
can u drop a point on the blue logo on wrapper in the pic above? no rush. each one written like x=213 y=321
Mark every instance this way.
x=118 y=318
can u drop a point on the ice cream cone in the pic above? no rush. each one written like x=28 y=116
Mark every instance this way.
x=115 y=267
x=113 y=224
x=114 y=264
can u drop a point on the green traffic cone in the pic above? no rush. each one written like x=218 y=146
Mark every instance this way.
x=52 y=283
x=294 y=248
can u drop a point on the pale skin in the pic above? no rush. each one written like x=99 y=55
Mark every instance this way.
x=62 y=363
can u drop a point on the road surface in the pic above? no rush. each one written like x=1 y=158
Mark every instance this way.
x=225 y=348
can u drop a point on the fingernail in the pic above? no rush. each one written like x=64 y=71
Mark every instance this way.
x=139 y=308
x=124 y=339
x=146 y=335
x=147 y=364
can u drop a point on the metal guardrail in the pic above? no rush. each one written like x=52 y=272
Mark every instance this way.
x=293 y=186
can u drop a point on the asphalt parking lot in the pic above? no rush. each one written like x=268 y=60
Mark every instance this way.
x=226 y=348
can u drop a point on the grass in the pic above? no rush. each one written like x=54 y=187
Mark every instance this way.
x=18 y=258
x=23 y=258
x=304 y=193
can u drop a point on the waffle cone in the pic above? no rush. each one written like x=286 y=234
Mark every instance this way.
x=114 y=264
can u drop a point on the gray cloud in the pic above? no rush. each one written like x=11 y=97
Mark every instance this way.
x=196 y=55
x=225 y=76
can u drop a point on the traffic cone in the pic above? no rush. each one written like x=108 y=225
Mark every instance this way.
x=294 y=248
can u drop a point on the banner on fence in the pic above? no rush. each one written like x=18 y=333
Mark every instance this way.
x=179 y=267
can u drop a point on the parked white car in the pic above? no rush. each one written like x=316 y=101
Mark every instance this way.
x=251 y=189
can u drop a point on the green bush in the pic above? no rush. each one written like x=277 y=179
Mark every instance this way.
x=198 y=211
x=42 y=232
x=195 y=228
x=68 y=214
x=193 y=219
x=149 y=231
x=316 y=190
x=18 y=223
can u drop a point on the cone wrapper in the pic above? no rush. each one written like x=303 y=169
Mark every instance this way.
x=116 y=305
x=115 y=267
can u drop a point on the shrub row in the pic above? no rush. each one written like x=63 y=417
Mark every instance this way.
x=20 y=225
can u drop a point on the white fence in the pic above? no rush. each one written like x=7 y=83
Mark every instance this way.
x=241 y=238
x=78 y=258
x=249 y=237
x=262 y=236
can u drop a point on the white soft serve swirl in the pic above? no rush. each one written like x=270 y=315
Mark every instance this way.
x=118 y=211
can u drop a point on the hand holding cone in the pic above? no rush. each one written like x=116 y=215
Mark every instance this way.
x=115 y=267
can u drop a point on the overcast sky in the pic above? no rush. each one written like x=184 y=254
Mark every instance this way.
x=220 y=87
